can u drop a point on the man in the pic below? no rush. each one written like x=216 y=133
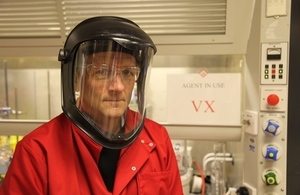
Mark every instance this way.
x=98 y=145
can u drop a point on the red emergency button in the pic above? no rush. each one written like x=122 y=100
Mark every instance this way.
x=273 y=99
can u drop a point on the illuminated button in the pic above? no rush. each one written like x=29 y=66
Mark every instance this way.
x=273 y=71
x=273 y=99
x=271 y=153
x=266 y=76
x=280 y=71
x=271 y=179
x=266 y=71
x=272 y=127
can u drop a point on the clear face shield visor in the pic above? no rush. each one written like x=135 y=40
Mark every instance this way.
x=106 y=74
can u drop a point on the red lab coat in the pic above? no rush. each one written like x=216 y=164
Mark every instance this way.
x=59 y=159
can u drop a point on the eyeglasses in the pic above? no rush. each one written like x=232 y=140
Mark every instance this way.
x=106 y=72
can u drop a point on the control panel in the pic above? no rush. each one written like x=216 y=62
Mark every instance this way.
x=274 y=63
x=273 y=119
x=266 y=129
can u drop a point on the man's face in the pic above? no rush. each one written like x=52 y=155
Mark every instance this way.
x=108 y=83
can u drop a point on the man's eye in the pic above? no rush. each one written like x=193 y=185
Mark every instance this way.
x=127 y=73
x=101 y=71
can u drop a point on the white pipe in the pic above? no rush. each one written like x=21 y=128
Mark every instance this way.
x=208 y=155
x=227 y=159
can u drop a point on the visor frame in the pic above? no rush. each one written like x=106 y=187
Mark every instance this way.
x=69 y=99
